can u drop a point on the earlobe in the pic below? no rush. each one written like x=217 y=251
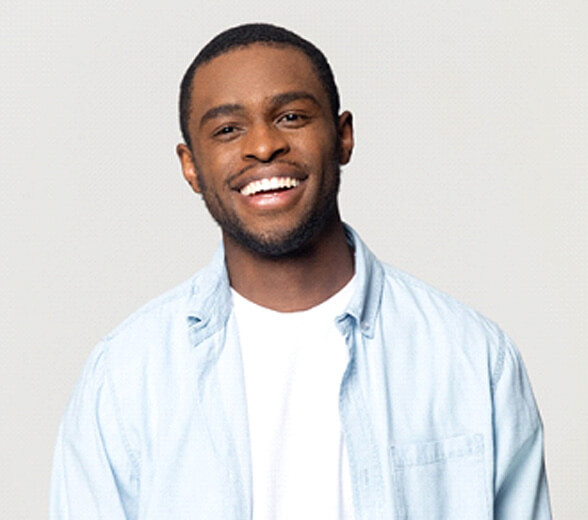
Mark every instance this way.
x=345 y=131
x=188 y=167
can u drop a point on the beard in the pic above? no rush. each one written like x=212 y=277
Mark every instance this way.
x=272 y=243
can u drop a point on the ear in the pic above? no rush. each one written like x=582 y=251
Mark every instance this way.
x=188 y=166
x=345 y=135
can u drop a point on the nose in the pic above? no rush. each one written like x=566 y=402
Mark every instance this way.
x=264 y=142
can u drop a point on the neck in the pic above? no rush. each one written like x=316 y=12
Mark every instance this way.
x=293 y=282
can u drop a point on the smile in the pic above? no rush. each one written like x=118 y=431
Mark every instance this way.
x=271 y=184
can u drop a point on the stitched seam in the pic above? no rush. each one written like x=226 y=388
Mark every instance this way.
x=458 y=454
x=499 y=367
x=118 y=415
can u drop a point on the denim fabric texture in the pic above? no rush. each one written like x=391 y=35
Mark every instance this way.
x=436 y=409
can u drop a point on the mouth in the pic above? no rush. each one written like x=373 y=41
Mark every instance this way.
x=269 y=185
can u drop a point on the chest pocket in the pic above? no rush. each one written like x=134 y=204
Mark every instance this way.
x=441 y=480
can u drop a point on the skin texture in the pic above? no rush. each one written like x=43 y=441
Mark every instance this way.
x=259 y=112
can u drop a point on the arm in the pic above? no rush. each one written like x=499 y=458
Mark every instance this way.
x=520 y=485
x=94 y=473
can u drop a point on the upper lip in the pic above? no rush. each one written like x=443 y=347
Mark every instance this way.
x=267 y=172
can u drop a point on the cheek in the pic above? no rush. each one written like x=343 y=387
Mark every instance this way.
x=220 y=162
x=313 y=150
x=322 y=145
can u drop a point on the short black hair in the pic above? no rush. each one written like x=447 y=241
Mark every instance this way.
x=242 y=36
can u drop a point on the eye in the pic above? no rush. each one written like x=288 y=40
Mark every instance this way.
x=225 y=132
x=293 y=119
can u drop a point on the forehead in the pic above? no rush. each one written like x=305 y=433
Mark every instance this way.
x=248 y=75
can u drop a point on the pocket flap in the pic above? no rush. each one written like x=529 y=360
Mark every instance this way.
x=417 y=454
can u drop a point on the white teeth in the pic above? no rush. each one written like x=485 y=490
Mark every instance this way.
x=274 y=183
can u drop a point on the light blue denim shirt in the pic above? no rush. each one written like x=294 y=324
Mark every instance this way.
x=436 y=409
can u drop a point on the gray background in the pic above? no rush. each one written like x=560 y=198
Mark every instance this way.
x=470 y=172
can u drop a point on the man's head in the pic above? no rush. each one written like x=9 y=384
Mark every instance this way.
x=263 y=145
x=242 y=36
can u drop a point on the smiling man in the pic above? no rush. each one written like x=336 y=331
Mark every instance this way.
x=265 y=146
x=296 y=376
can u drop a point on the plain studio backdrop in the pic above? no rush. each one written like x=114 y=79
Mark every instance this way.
x=470 y=172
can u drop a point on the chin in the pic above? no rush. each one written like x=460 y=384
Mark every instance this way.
x=275 y=246
x=280 y=244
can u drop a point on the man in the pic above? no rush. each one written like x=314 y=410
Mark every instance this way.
x=296 y=376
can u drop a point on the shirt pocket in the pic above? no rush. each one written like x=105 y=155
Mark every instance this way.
x=441 y=480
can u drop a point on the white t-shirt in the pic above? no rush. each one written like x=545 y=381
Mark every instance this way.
x=293 y=364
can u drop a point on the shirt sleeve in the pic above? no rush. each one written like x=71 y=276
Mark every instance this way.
x=94 y=471
x=520 y=485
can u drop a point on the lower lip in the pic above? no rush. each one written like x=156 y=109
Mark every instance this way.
x=273 y=200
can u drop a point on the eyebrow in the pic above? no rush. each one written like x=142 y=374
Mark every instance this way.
x=221 y=110
x=278 y=100
x=288 y=97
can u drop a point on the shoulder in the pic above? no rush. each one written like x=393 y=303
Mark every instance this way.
x=151 y=345
x=418 y=295
x=410 y=303
x=158 y=327
x=158 y=311
x=431 y=313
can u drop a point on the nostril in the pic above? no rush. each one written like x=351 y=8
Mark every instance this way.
x=265 y=144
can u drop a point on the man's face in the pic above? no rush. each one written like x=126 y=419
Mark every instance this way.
x=265 y=149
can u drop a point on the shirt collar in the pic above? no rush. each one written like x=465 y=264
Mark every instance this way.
x=365 y=302
x=210 y=302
